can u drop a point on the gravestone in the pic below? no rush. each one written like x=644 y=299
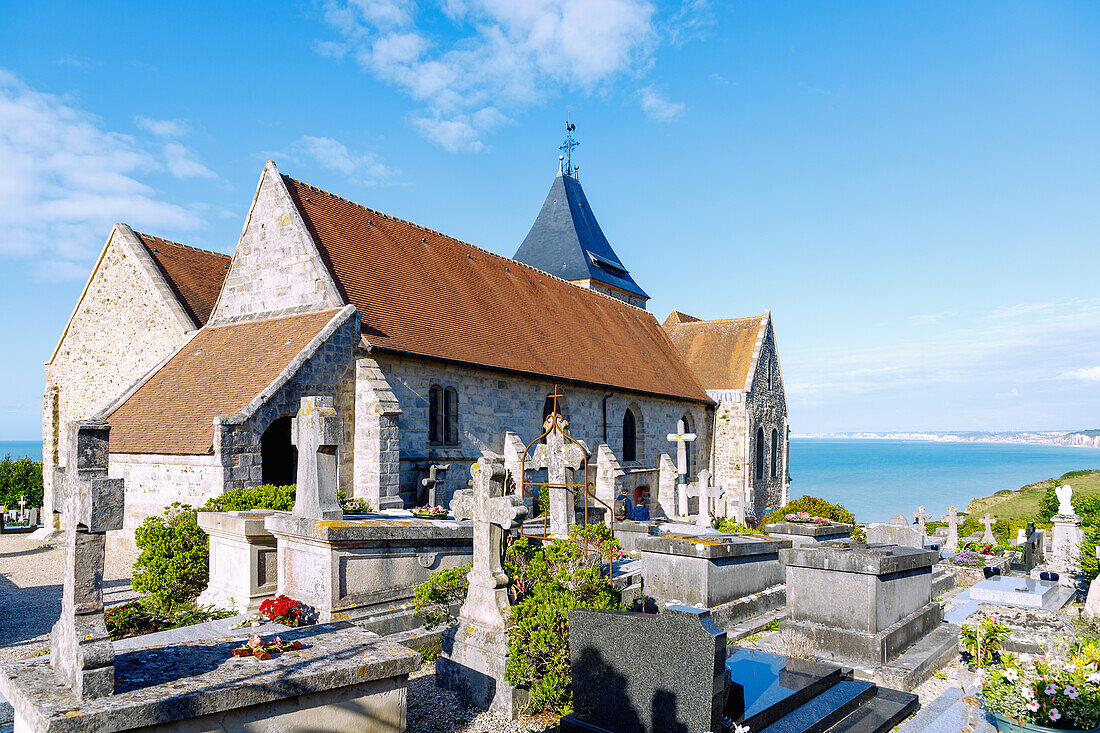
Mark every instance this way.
x=475 y=650
x=1092 y=602
x=561 y=458
x=22 y=508
x=433 y=482
x=609 y=474
x=81 y=654
x=988 y=536
x=921 y=515
x=1068 y=535
x=951 y=544
x=897 y=531
x=681 y=439
x=666 y=488
x=679 y=683
x=317 y=432
x=706 y=494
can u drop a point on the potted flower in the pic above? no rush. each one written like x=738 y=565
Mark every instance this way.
x=355 y=505
x=431 y=512
x=1042 y=693
x=284 y=610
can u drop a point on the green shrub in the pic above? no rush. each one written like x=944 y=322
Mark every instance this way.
x=172 y=568
x=261 y=497
x=434 y=598
x=727 y=524
x=20 y=477
x=1089 y=564
x=132 y=619
x=548 y=581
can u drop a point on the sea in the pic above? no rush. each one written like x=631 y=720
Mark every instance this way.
x=876 y=479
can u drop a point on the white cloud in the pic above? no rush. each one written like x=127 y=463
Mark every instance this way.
x=657 y=107
x=507 y=55
x=692 y=21
x=182 y=164
x=163 y=128
x=1085 y=374
x=330 y=153
x=66 y=180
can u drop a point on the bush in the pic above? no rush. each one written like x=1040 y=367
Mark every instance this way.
x=816 y=507
x=132 y=619
x=726 y=524
x=20 y=477
x=548 y=581
x=173 y=566
x=261 y=497
x=434 y=598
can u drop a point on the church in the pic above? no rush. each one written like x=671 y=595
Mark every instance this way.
x=432 y=348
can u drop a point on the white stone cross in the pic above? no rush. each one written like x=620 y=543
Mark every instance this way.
x=316 y=432
x=952 y=519
x=560 y=456
x=921 y=515
x=989 y=521
x=493 y=512
x=706 y=494
x=681 y=439
x=81 y=653
x=22 y=508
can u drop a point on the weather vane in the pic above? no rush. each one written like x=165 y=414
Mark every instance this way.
x=567 y=148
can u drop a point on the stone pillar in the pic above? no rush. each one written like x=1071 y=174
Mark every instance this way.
x=608 y=475
x=666 y=486
x=377 y=440
x=1066 y=549
x=513 y=464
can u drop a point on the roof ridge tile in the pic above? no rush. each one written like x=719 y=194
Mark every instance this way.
x=185 y=246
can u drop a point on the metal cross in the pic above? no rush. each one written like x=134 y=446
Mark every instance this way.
x=567 y=147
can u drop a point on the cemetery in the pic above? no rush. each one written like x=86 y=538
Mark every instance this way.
x=328 y=610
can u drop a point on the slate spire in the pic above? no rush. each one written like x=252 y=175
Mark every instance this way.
x=566 y=240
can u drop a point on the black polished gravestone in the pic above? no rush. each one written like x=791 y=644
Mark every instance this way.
x=644 y=672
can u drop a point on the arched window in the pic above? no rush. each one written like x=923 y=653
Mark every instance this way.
x=775 y=452
x=760 y=453
x=689 y=427
x=630 y=437
x=435 y=414
x=450 y=416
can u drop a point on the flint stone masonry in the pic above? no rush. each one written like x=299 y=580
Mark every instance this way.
x=861 y=603
x=364 y=569
x=243 y=560
x=344 y=679
x=680 y=683
x=710 y=570
x=807 y=533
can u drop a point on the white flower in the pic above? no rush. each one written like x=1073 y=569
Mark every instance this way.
x=1071 y=667
x=1094 y=678
x=1071 y=692
x=1011 y=674
x=738 y=728
x=1033 y=705
x=1025 y=658
x=1054 y=715
x=1027 y=692
x=1051 y=689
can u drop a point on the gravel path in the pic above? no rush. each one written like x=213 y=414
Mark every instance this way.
x=31 y=574
x=432 y=710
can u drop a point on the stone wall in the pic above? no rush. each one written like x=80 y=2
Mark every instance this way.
x=155 y=481
x=276 y=267
x=766 y=405
x=126 y=322
x=491 y=403
x=730 y=431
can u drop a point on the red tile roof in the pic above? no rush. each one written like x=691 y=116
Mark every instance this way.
x=423 y=293
x=719 y=352
x=216 y=374
x=194 y=275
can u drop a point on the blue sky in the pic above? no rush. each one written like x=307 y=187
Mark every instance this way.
x=911 y=188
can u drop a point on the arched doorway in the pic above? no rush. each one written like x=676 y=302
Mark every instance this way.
x=279 y=458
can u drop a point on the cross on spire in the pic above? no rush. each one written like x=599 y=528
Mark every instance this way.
x=567 y=149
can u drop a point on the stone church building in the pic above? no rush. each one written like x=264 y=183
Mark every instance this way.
x=433 y=349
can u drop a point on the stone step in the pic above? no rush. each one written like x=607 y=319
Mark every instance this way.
x=754 y=625
x=824 y=710
x=942 y=582
x=917 y=663
x=879 y=714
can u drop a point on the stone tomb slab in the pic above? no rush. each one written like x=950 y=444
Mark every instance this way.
x=365 y=569
x=344 y=679
x=710 y=569
x=1015 y=591
x=809 y=533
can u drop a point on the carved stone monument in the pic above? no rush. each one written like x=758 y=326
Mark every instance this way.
x=988 y=535
x=1068 y=535
x=561 y=458
x=681 y=439
x=951 y=544
x=922 y=516
x=317 y=432
x=897 y=531
x=81 y=653
x=476 y=648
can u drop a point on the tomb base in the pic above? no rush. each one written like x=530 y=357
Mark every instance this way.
x=472 y=665
x=243 y=567
x=809 y=533
x=365 y=570
x=863 y=647
x=344 y=679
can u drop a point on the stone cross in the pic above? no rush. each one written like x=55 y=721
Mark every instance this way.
x=952 y=519
x=81 y=653
x=316 y=433
x=681 y=439
x=922 y=515
x=22 y=508
x=494 y=512
x=988 y=536
x=560 y=456
x=706 y=493
x=436 y=474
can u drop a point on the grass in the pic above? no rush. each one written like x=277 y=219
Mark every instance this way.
x=1024 y=502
